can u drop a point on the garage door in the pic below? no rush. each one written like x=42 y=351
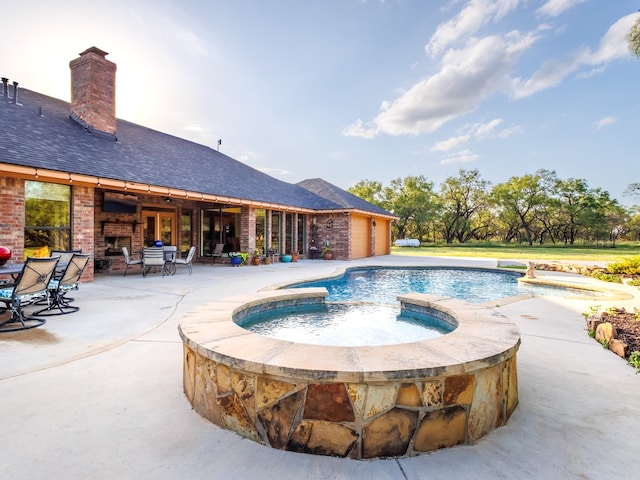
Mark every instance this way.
x=382 y=237
x=360 y=237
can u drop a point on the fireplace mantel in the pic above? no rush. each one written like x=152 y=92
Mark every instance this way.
x=133 y=223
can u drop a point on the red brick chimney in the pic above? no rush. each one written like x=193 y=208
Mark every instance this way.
x=93 y=90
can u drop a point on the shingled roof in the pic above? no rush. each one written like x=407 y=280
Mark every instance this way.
x=37 y=131
x=340 y=197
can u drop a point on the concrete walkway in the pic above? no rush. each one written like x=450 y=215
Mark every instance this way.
x=98 y=394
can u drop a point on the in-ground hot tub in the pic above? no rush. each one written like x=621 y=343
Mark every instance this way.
x=357 y=402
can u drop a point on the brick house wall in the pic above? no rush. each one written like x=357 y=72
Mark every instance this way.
x=12 y=216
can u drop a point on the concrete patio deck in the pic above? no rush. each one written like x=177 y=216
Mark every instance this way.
x=98 y=394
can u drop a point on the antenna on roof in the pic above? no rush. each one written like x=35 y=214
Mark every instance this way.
x=219 y=143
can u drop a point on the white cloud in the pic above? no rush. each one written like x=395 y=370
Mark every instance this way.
x=604 y=122
x=550 y=75
x=451 y=143
x=358 y=129
x=482 y=130
x=473 y=16
x=463 y=156
x=553 y=8
x=612 y=46
x=466 y=77
x=475 y=130
x=509 y=132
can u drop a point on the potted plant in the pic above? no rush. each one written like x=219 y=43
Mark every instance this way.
x=238 y=258
x=294 y=256
x=327 y=251
x=257 y=256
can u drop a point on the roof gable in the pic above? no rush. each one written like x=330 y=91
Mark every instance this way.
x=340 y=197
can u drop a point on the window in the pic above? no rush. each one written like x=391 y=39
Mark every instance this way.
x=185 y=231
x=275 y=232
x=47 y=218
x=261 y=228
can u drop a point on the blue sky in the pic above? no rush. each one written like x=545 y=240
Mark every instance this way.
x=349 y=90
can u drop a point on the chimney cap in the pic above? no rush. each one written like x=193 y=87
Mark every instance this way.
x=95 y=50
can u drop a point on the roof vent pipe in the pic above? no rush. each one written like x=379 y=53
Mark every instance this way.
x=5 y=86
x=15 y=92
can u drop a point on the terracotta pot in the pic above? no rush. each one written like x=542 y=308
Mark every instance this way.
x=328 y=256
x=256 y=260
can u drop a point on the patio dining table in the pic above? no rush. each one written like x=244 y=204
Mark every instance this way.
x=12 y=269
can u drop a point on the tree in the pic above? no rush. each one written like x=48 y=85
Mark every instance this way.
x=520 y=199
x=577 y=206
x=633 y=190
x=463 y=198
x=371 y=191
x=413 y=201
x=633 y=38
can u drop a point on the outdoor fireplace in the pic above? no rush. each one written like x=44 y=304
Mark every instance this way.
x=113 y=245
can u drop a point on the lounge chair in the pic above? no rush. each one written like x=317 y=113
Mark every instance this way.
x=152 y=257
x=58 y=303
x=30 y=287
x=128 y=260
x=186 y=261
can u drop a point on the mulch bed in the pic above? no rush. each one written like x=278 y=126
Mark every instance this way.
x=627 y=327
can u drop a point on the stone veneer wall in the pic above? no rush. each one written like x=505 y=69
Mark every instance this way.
x=395 y=413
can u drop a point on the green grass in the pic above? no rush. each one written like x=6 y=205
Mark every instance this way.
x=545 y=252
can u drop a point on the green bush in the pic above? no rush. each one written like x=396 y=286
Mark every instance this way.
x=607 y=277
x=634 y=282
x=628 y=266
x=634 y=361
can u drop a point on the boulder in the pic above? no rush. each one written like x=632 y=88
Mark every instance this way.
x=606 y=332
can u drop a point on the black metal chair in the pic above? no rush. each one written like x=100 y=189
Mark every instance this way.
x=30 y=287
x=58 y=302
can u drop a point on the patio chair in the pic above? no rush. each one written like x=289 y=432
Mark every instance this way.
x=58 y=303
x=128 y=260
x=186 y=261
x=152 y=257
x=64 y=256
x=30 y=286
x=170 y=254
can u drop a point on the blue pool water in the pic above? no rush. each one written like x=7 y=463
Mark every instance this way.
x=362 y=306
x=344 y=324
x=383 y=285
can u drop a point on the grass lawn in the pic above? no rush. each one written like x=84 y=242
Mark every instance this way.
x=549 y=253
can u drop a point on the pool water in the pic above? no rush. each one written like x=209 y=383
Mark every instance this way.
x=346 y=324
x=362 y=306
x=383 y=285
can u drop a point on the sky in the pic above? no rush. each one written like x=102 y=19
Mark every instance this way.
x=352 y=90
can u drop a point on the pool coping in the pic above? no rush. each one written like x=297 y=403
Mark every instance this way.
x=483 y=338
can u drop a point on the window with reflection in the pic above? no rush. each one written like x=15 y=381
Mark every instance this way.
x=47 y=218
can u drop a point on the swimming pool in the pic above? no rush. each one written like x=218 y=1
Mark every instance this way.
x=383 y=284
x=346 y=324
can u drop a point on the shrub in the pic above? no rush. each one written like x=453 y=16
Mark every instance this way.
x=628 y=266
x=607 y=277
x=634 y=361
